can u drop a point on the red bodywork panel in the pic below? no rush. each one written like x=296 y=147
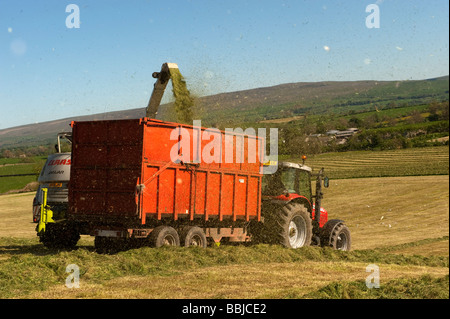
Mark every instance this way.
x=292 y=196
x=122 y=169
x=323 y=215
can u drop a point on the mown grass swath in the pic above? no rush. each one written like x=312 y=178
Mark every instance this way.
x=424 y=287
x=37 y=268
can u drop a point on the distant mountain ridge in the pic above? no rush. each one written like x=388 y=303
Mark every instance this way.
x=256 y=105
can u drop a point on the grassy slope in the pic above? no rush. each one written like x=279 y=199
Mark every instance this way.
x=403 y=162
x=261 y=271
x=252 y=106
x=387 y=211
x=425 y=287
x=291 y=278
x=17 y=166
x=391 y=224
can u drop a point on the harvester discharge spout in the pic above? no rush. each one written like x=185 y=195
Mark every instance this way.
x=163 y=78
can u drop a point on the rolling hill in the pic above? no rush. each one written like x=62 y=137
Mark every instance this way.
x=261 y=104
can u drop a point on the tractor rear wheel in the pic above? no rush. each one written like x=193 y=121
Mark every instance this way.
x=295 y=226
x=289 y=226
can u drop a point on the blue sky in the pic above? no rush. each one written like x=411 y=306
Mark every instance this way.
x=48 y=71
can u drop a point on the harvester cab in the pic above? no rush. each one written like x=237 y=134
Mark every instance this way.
x=54 y=177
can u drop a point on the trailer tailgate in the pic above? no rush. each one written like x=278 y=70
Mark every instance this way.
x=106 y=166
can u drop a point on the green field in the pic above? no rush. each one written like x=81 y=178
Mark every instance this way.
x=15 y=183
x=404 y=162
x=4 y=161
x=400 y=222
x=384 y=230
x=397 y=112
x=15 y=166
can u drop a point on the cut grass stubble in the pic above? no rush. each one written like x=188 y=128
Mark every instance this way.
x=261 y=271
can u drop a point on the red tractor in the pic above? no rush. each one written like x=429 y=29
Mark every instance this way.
x=289 y=213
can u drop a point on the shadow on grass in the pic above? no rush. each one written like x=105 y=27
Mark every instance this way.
x=37 y=249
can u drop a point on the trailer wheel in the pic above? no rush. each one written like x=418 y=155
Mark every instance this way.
x=336 y=234
x=193 y=236
x=164 y=236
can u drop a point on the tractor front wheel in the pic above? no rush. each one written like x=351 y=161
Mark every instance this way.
x=336 y=234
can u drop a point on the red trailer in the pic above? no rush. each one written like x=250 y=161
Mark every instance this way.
x=126 y=181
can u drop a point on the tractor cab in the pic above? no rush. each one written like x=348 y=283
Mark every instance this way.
x=290 y=181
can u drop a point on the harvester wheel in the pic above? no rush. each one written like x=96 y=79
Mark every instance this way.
x=336 y=234
x=193 y=236
x=164 y=236
x=60 y=236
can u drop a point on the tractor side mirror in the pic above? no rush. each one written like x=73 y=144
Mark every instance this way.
x=326 y=182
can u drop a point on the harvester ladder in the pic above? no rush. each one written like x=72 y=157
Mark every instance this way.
x=46 y=212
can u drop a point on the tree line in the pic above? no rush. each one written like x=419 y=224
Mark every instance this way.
x=377 y=131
